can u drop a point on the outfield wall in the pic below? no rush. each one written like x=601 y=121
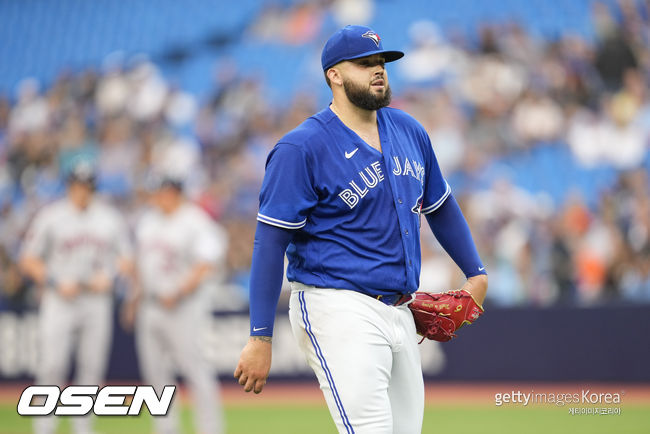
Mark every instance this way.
x=554 y=344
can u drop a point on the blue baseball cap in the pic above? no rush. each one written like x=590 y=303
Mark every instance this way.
x=353 y=42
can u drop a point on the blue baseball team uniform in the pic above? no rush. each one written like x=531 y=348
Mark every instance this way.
x=357 y=210
x=348 y=217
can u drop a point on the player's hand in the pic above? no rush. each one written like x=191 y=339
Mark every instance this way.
x=68 y=290
x=127 y=314
x=254 y=364
x=100 y=283
x=169 y=301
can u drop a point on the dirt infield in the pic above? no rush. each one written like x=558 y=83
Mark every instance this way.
x=308 y=393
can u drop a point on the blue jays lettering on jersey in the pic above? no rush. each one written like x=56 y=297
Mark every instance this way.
x=356 y=211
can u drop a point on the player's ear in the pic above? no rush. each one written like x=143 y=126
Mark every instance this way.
x=334 y=76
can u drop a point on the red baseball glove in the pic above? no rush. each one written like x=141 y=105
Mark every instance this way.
x=438 y=316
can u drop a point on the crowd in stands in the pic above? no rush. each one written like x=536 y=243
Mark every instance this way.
x=482 y=99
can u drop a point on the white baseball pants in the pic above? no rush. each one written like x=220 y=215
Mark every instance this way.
x=167 y=341
x=83 y=323
x=365 y=356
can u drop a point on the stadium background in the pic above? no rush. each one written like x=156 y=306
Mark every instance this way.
x=539 y=113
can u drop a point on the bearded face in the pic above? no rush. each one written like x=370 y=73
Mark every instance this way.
x=366 y=96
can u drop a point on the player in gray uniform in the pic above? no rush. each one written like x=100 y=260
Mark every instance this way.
x=73 y=251
x=178 y=248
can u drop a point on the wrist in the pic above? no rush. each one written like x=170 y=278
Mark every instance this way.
x=477 y=286
x=265 y=339
x=186 y=290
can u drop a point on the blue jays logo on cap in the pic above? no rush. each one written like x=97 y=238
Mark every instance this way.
x=353 y=42
x=372 y=35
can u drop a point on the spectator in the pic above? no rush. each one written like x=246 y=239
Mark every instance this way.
x=509 y=106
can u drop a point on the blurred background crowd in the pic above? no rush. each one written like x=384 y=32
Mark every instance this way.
x=538 y=111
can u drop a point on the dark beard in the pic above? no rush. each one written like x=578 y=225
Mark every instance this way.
x=364 y=98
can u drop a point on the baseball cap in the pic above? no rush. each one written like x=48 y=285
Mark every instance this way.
x=82 y=171
x=353 y=42
x=157 y=181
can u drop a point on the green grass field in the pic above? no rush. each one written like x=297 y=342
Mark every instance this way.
x=314 y=419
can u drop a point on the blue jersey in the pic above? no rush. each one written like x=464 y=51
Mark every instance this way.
x=356 y=211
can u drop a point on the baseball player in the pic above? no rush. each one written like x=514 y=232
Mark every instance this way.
x=178 y=249
x=343 y=195
x=73 y=251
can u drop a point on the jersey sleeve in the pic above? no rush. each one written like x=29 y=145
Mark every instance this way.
x=436 y=188
x=37 y=237
x=287 y=193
